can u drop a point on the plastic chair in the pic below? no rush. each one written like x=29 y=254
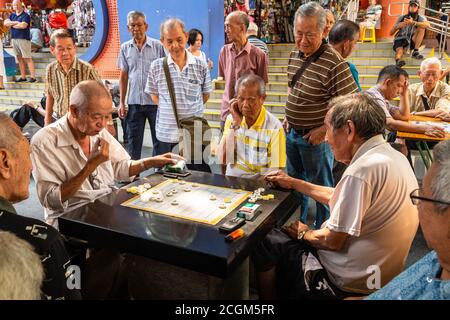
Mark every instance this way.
x=371 y=36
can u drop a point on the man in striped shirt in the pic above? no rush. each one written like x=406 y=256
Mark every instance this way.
x=191 y=83
x=253 y=141
x=64 y=74
x=252 y=36
x=328 y=76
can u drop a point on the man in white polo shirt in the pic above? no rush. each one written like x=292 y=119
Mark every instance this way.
x=372 y=219
x=253 y=141
x=191 y=83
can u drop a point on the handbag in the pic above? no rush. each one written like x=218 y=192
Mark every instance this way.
x=191 y=127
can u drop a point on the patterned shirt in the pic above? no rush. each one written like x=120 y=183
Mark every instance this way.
x=190 y=84
x=59 y=84
x=439 y=97
x=137 y=64
x=233 y=65
x=378 y=96
x=48 y=244
x=328 y=77
x=418 y=282
x=258 y=43
x=258 y=148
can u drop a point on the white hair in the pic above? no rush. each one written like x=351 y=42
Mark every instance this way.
x=433 y=61
x=21 y=271
x=440 y=184
x=133 y=15
x=312 y=9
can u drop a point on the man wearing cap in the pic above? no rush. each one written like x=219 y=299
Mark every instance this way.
x=409 y=31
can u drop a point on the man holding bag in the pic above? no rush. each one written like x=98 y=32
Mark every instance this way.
x=180 y=96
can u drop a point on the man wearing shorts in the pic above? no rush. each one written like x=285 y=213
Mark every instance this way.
x=19 y=22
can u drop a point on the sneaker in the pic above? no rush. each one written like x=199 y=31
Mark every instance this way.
x=417 y=55
x=400 y=63
x=32 y=80
x=20 y=80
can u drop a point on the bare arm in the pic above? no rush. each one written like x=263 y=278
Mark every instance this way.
x=49 y=110
x=123 y=87
x=20 y=25
x=226 y=148
x=138 y=166
x=404 y=126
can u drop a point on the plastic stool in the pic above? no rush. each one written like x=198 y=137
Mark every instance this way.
x=371 y=36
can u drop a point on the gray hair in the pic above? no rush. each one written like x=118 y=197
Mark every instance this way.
x=10 y=134
x=362 y=110
x=21 y=270
x=312 y=9
x=253 y=28
x=440 y=184
x=133 y=15
x=250 y=80
x=433 y=61
x=86 y=91
x=170 y=24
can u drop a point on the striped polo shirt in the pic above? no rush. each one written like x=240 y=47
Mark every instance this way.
x=59 y=84
x=260 y=148
x=329 y=76
x=189 y=85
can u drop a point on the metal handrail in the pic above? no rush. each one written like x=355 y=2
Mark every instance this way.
x=440 y=27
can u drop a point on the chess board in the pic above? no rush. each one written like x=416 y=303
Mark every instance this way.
x=192 y=201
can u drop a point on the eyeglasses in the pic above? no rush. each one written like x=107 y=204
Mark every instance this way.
x=309 y=35
x=415 y=197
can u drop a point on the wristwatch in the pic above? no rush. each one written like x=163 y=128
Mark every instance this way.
x=301 y=234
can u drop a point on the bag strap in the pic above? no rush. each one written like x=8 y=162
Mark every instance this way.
x=171 y=90
x=425 y=103
x=312 y=58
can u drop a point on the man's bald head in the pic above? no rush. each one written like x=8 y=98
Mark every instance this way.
x=88 y=92
x=10 y=134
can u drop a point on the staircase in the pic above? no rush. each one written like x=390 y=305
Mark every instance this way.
x=369 y=59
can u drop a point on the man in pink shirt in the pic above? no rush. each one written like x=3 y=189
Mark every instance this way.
x=238 y=58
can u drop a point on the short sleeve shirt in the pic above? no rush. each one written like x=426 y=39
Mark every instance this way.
x=20 y=33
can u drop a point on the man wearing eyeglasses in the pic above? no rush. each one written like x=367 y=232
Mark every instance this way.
x=76 y=161
x=430 y=97
x=428 y=278
x=316 y=74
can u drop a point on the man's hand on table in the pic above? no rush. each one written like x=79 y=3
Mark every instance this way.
x=434 y=131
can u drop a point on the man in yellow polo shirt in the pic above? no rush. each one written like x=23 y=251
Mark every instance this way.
x=253 y=141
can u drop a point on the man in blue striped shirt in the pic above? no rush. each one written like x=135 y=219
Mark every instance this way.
x=191 y=82
x=136 y=56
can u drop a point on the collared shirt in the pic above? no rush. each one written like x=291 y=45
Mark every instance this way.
x=419 y=282
x=57 y=158
x=260 y=148
x=407 y=31
x=439 y=97
x=254 y=40
x=137 y=63
x=20 y=33
x=59 y=84
x=233 y=65
x=190 y=84
x=48 y=244
x=378 y=96
x=371 y=204
x=328 y=77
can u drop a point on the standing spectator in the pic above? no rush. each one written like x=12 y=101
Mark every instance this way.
x=252 y=36
x=19 y=22
x=64 y=74
x=326 y=75
x=238 y=58
x=191 y=84
x=330 y=23
x=409 y=31
x=135 y=58
x=195 y=44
